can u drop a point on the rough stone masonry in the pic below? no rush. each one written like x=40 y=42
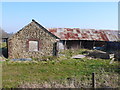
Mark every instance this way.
x=18 y=44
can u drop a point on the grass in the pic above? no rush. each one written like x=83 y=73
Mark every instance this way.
x=60 y=72
x=2 y=44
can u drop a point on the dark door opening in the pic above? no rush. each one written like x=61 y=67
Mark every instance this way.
x=55 y=49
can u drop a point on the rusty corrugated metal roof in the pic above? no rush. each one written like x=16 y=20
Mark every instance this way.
x=84 y=34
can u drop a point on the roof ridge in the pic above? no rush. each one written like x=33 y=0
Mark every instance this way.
x=45 y=29
x=84 y=29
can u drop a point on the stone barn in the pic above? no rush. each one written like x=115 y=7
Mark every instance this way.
x=31 y=41
x=34 y=41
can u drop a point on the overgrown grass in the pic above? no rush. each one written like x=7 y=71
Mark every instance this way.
x=2 y=44
x=62 y=70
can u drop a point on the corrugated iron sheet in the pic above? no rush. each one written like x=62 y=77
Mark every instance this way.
x=84 y=34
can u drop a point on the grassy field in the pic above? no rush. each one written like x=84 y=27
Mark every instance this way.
x=60 y=72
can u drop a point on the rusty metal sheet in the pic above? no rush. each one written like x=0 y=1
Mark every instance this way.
x=84 y=34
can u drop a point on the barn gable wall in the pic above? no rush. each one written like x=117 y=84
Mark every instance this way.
x=18 y=43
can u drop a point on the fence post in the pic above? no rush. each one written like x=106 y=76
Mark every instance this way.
x=93 y=80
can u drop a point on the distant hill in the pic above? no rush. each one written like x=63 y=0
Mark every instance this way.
x=4 y=34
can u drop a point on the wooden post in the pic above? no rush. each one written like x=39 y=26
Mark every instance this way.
x=93 y=43
x=93 y=80
x=80 y=44
x=77 y=44
x=65 y=45
x=57 y=48
x=7 y=46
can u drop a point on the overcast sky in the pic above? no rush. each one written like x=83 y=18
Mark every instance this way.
x=85 y=15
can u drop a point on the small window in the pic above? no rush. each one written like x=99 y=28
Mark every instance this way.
x=33 y=46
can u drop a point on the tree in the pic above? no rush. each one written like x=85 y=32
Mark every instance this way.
x=4 y=34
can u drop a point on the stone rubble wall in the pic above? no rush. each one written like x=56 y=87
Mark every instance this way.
x=17 y=44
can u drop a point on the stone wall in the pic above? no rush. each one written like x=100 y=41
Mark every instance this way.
x=18 y=44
